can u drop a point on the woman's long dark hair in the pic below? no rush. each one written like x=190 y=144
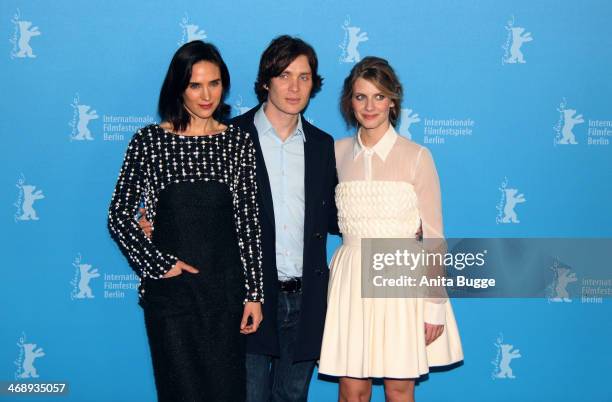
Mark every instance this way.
x=171 y=104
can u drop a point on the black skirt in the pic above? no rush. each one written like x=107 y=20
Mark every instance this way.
x=193 y=320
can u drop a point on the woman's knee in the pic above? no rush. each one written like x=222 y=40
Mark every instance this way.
x=399 y=391
x=355 y=390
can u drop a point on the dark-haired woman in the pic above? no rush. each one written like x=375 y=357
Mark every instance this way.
x=388 y=187
x=201 y=281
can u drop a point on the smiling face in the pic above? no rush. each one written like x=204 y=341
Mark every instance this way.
x=204 y=91
x=370 y=105
x=289 y=93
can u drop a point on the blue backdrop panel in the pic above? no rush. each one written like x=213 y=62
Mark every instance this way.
x=512 y=98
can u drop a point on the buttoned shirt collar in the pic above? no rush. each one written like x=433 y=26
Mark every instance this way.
x=264 y=127
x=381 y=148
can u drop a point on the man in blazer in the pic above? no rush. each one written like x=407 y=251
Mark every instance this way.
x=296 y=175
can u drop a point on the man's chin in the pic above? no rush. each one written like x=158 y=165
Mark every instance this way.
x=291 y=109
x=294 y=109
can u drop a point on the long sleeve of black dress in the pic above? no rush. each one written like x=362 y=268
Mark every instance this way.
x=144 y=257
x=246 y=213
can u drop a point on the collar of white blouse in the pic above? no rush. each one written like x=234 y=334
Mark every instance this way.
x=381 y=148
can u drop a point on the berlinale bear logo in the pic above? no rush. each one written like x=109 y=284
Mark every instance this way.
x=505 y=354
x=24 y=31
x=352 y=38
x=81 y=116
x=512 y=198
x=563 y=276
x=569 y=121
x=509 y=199
x=28 y=353
x=191 y=31
x=514 y=41
x=83 y=275
x=239 y=106
x=564 y=129
x=406 y=120
x=28 y=194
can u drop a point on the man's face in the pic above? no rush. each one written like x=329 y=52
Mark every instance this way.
x=290 y=92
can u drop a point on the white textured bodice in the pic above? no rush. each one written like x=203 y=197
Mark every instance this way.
x=377 y=209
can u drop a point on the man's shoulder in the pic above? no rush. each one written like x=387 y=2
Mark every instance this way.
x=245 y=119
x=316 y=133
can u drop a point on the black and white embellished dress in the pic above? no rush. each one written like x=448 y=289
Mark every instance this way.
x=200 y=194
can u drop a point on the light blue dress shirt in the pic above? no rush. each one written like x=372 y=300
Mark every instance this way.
x=285 y=166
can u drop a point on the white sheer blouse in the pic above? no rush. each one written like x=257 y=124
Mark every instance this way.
x=397 y=159
x=401 y=193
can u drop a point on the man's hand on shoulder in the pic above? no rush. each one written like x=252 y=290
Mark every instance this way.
x=144 y=224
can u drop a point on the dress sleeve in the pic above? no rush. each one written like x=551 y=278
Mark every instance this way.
x=427 y=188
x=144 y=257
x=246 y=216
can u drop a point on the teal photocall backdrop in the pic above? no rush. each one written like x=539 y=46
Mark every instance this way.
x=513 y=98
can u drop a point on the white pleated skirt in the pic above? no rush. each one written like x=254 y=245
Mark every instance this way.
x=378 y=337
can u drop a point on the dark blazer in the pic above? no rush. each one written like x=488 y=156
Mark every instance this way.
x=320 y=217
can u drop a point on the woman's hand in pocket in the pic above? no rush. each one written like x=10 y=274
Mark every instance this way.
x=178 y=268
x=144 y=224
